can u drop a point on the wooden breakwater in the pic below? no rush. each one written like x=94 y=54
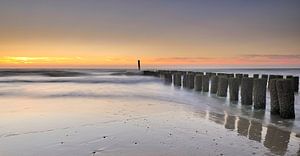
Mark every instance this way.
x=238 y=86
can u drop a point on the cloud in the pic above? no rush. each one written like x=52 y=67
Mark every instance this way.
x=254 y=59
x=274 y=56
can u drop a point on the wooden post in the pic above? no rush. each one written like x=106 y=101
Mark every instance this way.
x=168 y=78
x=185 y=80
x=212 y=74
x=139 y=65
x=270 y=78
x=234 y=89
x=214 y=84
x=255 y=75
x=198 y=82
x=296 y=83
x=177 y=79
x=239 y=77
x=264 y=76
x=286 y=98
x=191 y=79
x=279 y=76
x=259 y=93
x=230 y=75
x=205 y=83
x=222 y=86
x=246 y=91
x=274 y=97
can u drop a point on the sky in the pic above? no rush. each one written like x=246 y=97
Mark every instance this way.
x=161 y=33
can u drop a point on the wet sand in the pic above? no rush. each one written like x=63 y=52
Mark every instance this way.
x=136 y=119
x=135 y=127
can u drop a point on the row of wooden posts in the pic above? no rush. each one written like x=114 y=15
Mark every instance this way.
x=252 y=90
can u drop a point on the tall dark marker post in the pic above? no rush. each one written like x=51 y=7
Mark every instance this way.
x=139 y=65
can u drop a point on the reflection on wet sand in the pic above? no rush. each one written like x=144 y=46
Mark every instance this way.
x=217 y=118
x=255 y=131
x=230 y=122
x=276 y=140
x=243 y=126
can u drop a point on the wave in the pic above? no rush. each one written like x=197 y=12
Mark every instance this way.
x=49 y=73
x=85 y=80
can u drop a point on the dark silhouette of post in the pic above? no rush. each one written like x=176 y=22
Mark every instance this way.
x=198 y=82
x=177 y=79
x=205 y=83
x=139 y=65
x=233 y=89
x=274 y=97
x=255 y=75
x=286 y=98
x=247 y=91
x=214 y=84
x=259 y=93
x=222 y=86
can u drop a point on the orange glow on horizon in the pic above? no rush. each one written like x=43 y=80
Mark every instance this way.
x=128 y=61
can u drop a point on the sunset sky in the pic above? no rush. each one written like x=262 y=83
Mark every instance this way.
x=162 y=33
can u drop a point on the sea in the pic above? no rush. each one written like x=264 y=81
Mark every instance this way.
x=122 y=112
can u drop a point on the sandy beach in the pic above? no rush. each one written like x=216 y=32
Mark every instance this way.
x=131 y=115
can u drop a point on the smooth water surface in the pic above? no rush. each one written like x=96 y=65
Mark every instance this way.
x=106 y=112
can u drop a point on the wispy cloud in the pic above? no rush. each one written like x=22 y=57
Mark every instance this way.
x=236 y=61
x=254 y=59
x=36 y=60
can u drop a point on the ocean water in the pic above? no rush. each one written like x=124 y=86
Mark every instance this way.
x=113 y=112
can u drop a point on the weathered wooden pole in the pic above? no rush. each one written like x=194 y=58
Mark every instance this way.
x=286 y=98
x=139 y=65
x=168 y=78
x=269 y=80
x=246 y=91
x=198 y=82
x=222 y=86
x=205 y=83
x=212 y=74
x=200 y=73
x=255 y=75
x=234 y=89
x=264 y=76
x=279 y=76
x=259 y=93
x=191 y=77
x=239 y=77
x=245 y=75
x=230 y=75
x=177 y=79
x=274 y=97
x=185 y=80
x=272 y=77
x=296 y=83
x=291 y=78
x=214 y=84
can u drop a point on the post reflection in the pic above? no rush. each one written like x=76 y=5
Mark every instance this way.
x=217 y=118
x=230 y=122
x=243 y=126
x=276 y=140
x=255 y=131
